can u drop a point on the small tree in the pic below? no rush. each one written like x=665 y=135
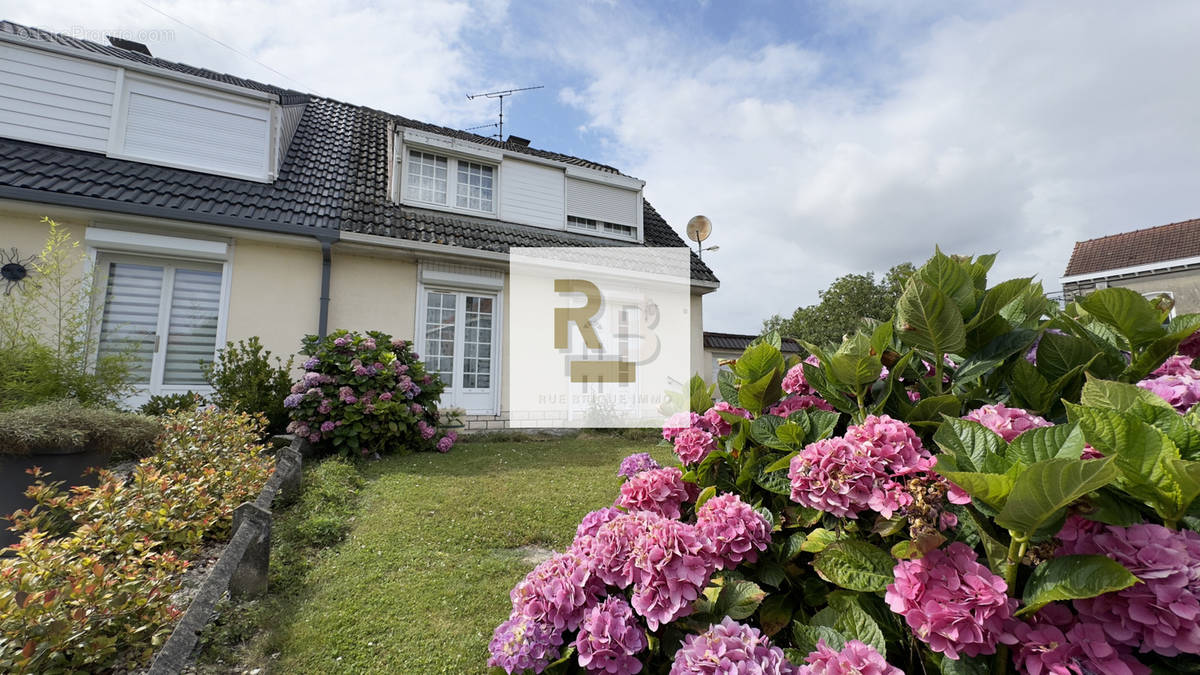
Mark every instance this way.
x=49 y=333
x=244 y=379
x=848 y=300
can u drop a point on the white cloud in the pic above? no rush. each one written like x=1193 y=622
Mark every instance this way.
x=1021 y=133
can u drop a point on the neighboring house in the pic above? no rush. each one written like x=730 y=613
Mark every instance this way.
x=1154 y=261
x=216 y=208
x=725 y=346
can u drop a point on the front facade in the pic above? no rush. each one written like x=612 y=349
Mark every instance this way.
x=212 y=209
x=1156 y=261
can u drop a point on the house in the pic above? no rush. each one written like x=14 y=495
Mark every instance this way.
x=216 y=208
x=725 y=346
x=1163 y=260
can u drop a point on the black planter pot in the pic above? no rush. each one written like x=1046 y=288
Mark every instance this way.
x=70 y=466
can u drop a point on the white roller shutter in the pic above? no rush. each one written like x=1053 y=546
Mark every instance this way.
x=132 y=297
x=192 y=327
x=605 y=203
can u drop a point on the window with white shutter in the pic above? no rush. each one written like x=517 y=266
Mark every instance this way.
x=165 y=313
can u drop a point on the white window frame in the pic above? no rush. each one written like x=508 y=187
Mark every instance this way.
x=601 y=228
x=463 y=286
x=140 y=247
x=453 y=161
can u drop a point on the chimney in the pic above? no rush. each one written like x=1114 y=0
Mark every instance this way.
x=517 y=140
x=128 y=45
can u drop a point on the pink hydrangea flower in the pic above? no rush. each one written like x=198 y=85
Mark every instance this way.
x=557 y=591
x=670 y=564
x=659 y=491
x=637 y=463
x=592 y=522
x=693 y=445
x=712 y=417
x=1161 y=614
x=791 y=404
x=610 y=637
x=856 y=658
x=1177 y=365
x=611 y=550
x=1008 y=422
x=678 y=422
x=426 y=430
x=847 y=475
x=1053 y=642
x=446 y=442
x=1181 y=391
x=736 y=531
x=730 y=648
x=794 y=381
x=951 y=602
x=522 y=644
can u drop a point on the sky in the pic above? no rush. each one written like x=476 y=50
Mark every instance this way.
x=821 y=138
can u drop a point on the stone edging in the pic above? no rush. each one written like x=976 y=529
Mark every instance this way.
x=242 y=568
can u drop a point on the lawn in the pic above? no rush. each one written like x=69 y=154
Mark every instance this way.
x=423 y=577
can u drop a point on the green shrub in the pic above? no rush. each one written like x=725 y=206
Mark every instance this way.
x=161 y=405
x=67 y=425
x=92 y=578
x=47 y=340
x=243 y=378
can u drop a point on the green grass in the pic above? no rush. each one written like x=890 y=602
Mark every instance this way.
x=423 y=576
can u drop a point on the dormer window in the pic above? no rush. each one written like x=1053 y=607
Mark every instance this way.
x=601 y=227
x=428 y=180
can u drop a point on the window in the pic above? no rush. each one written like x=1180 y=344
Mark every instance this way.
x=427 y=180
x=166 y=313
x=601 y=227
x=459 y=341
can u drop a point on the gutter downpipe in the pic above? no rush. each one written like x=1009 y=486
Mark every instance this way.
x=326 y=270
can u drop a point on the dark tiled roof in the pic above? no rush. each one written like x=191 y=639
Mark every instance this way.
x=1140 y=247
x=334 y=178
x=736 y=342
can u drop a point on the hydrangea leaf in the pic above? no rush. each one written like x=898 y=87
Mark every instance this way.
x=701 y=394
x=1072 y=577
x=705 y=495
x=1118 y=396
x=1030 y=390
x=927 y=318
x=933 y=408
x=996 y=299
x=1063 y=440
x=855 y=565
x=776 y=481
x=727 y=384
x=993 y=354
x=1185 y=436
x=992 y=489
x=1059 y=354
x=1132 y=315
x=762 y=431
x=817 y=380
x=806 y=638
x=774 y=614
x=793 y=432
x=781 y=463
x=757 y=394
x=854 y=364
x=821 y=424
x=758 y=361
x=972 y=445
x=951 y=278
x=738 y=599
x=820 y=539
x=1046 y=488
x=965 y=665
x=854 y=622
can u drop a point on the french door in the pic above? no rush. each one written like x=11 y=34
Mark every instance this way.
x=460 y=347
x=165 y=314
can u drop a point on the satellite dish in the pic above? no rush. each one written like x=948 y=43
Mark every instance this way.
x=698 y=228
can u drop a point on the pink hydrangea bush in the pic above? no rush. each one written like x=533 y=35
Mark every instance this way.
x=736 y=531
x=730 y=648
x=952 y=603
x=1160 y=614
x=855 y=658
x=364 y=393
x=1008 y=422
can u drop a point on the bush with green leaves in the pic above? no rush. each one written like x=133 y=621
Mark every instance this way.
x=69 y=426
x=979 y=485
x=366 y=393
x=161 y=405
x=244 y=378
x=48 y=345
x=90 y=582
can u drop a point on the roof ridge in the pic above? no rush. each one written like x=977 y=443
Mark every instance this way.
x=1139 y=231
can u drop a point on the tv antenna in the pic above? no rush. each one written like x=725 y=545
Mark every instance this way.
x=499 y=95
